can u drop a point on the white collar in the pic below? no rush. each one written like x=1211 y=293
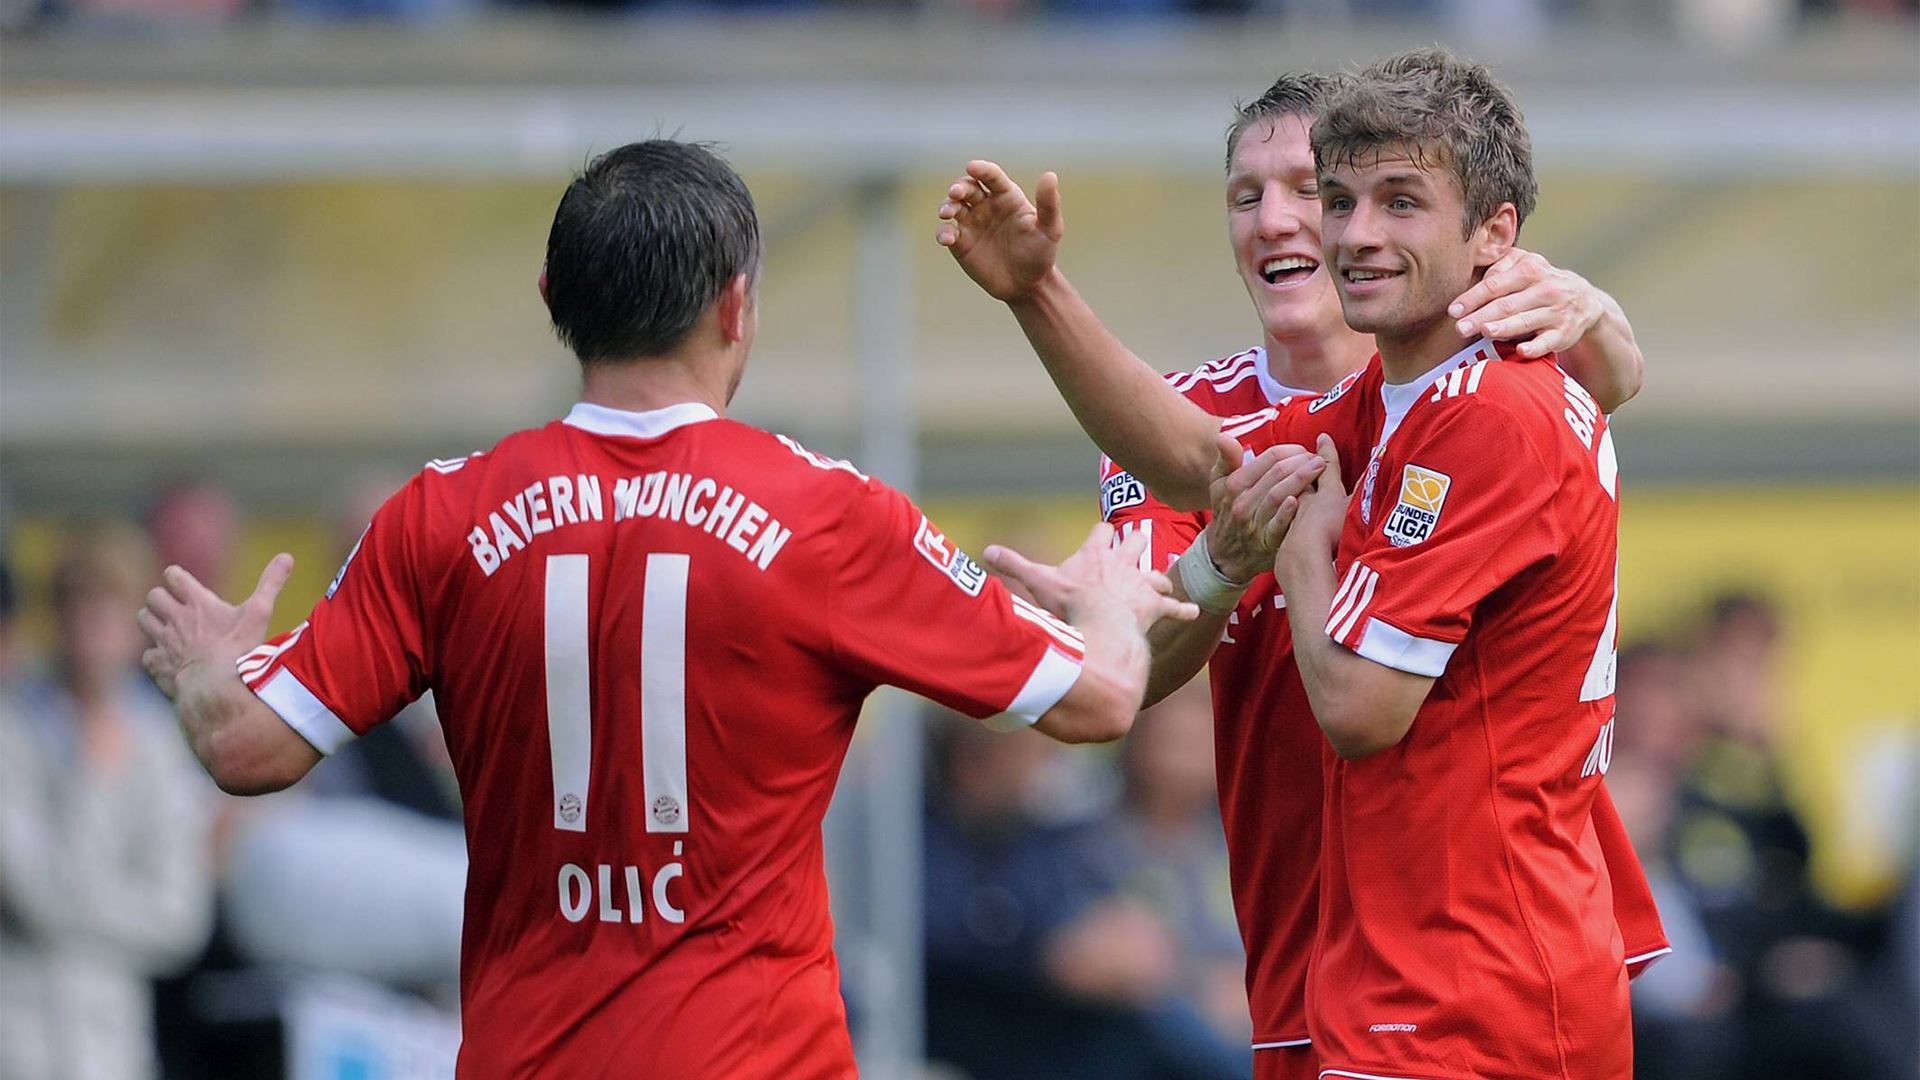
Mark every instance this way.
x=1399 y=397
x=1275 y=390
x=652 y=424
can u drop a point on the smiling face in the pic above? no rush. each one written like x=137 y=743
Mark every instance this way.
x=1392 y=237
x=1273 y=220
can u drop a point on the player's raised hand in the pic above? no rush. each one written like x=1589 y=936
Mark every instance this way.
x=1322 y=511
x=188 y=624
x=1254 y=504
x=1005 y=243
x=1524 y=297
x=1100 y=581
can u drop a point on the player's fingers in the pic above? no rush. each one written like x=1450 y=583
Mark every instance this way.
x=1296 y=476
x=1159 y=582
x=1551 y=340
x=272 y=579
x=1130 y=548
x=1477 y=297
x=1009 y=563
x=1522 y=323
x=1178 y=610
x=946 y=236
x=163 y=604
x=993 y=179
x=158 y=631
x=1331 y=453
x=949 y=210
x=1230 y=455
x=1247 y=505
x=1047 y=201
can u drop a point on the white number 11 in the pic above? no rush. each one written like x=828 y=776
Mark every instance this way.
x=663 y=691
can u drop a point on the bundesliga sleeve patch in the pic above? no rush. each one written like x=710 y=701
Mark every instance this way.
x=968 y=575
x=1119 y=491
x=1422 y=493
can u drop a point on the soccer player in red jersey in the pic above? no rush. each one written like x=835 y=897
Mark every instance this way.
x=1267 y=746
x=649 y=631
x=1459 y=650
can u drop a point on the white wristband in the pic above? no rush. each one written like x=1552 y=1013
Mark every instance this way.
x=1205 y=584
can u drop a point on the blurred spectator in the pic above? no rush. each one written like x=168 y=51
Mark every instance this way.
x=1173 y=855
x=195 y=525
x=358 y=872
x=104 y=876
x=1799 y=1003
x=1038 y=965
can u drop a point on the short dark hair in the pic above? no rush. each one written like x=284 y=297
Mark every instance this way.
x=644 y=240
x=1297 y=93
x=1445 y=111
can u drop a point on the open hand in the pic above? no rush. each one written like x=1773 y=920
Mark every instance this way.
x=1523 y=296
x=1004 y=243
x=189 y=624
x=1095 y=580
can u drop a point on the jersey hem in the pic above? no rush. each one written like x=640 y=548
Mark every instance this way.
x=304 y=712
x=1350 y=1074
x=1645 y=960
x=1052 y=677
x=1281 y=1044
x=1393 y=647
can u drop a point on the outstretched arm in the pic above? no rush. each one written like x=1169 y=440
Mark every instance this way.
x=1101 y=590
x=197 y=638
x=1008 y=246
x=1525 y=296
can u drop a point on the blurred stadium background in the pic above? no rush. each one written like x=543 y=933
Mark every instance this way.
x=260 y=260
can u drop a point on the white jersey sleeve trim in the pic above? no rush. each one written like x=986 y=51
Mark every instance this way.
x=1282 y=1043
x=1052 y=677
x=304 y=713
x=1646 y=960
x=1397 y=649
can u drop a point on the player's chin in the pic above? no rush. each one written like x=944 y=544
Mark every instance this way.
x=1367 y=314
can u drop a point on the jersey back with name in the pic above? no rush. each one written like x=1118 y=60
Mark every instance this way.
x=648 y=641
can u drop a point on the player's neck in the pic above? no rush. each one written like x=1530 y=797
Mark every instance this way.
x=1405 y=357
x=658 y=382
x=1318 y=361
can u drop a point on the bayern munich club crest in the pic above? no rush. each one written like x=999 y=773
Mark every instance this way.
x=569 y=808
x=666 y=810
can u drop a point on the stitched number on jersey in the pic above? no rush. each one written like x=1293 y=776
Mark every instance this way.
x=663 y=691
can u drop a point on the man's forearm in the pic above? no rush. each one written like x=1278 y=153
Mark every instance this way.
x=1124 y=405
x=1607 y=361
x=1362 y=707
x=244 y=745
x=1181 y=648
x=1308 y=584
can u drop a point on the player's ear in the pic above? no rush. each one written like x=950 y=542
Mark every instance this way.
x=1496 y=236
x=736 y=309
x=543 y=288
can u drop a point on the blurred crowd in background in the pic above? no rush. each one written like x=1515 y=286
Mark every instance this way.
x=1077 y=916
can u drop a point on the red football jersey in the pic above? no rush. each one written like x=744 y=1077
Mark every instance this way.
x=648 y=636
x=1467 y=918
x=1266 y=744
